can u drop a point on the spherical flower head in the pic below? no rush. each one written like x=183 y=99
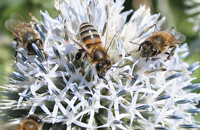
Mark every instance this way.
x=135 y=93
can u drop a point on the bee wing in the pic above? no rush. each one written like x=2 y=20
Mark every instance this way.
x=180 y=38
x=14 y=20
x=72 y=37
x=162 y=25
x=113 y=27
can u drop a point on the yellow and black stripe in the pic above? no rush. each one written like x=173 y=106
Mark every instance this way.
x=89 y=34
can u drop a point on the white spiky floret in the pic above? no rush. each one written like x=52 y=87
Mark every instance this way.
x=138 y=94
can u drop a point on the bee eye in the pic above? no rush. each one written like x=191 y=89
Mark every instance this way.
x=107 y=62
x=37 y=41
x=154 y=49
x=99 y=66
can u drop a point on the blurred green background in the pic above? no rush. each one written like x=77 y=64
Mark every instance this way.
x=174 y=10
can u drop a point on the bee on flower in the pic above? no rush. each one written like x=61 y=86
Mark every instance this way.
x=111 y=87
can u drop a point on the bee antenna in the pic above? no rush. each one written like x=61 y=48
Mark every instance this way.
x=118 y=66
x=43 y=117
x=30 y=14
x=33 y=18
x=134 y=43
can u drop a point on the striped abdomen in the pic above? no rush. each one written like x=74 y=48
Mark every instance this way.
x=89 y=34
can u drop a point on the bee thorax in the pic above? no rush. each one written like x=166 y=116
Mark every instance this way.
x=28 y=36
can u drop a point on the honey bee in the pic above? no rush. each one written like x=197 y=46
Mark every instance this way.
x=96 y=53
x=32 y=122
x=160 y=41
x=24 y=33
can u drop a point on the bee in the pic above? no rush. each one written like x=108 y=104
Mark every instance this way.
x=32 y=122
x=160 y=41
x=96 y=53
x=24 y=33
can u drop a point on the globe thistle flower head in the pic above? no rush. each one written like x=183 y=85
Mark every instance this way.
x=135 y=93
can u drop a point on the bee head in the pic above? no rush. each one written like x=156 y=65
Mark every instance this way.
x=102 y=68
x=35 y=118
x=37 y=42
x=148 y=49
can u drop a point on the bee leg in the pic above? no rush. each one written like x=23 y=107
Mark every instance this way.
x=127 y=54
x=105 y=80
x=83 y=61
x=147 y=58
x=173 y=50
x=16 y=49
x=30 y=53
x=139 y=48
x=168 y=58
x=78 y=54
